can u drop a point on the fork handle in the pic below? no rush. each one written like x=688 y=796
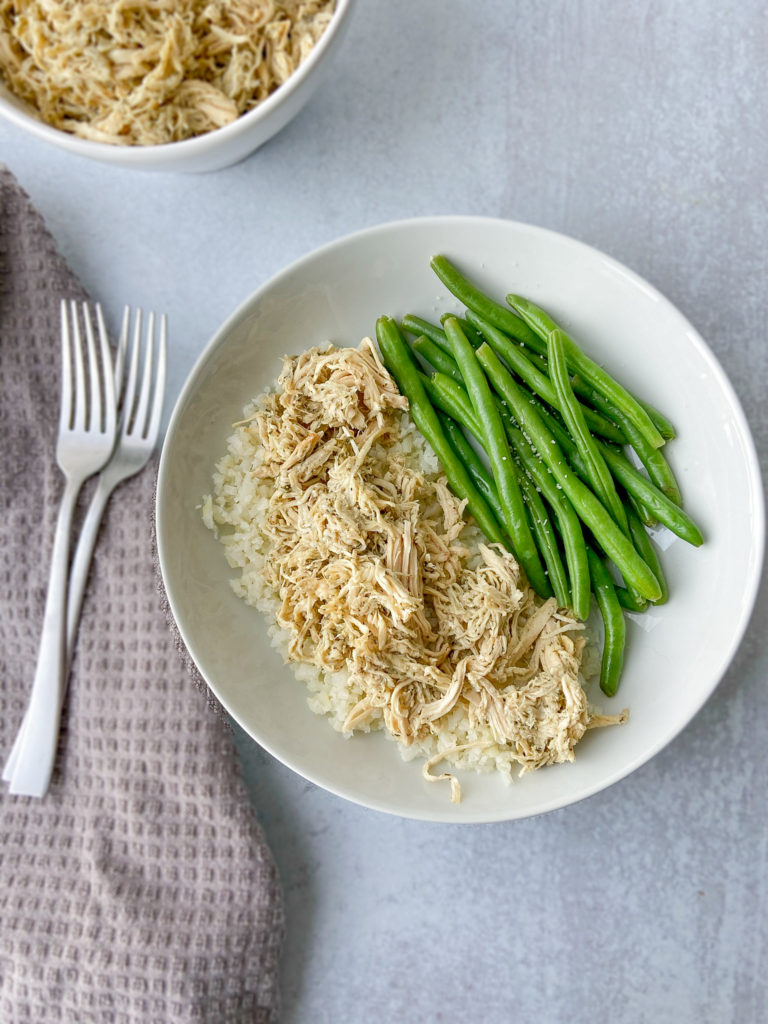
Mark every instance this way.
x=78 y=575
x=81 y=562
x=34 y=765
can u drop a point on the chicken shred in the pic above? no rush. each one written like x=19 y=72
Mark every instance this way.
x=378 y=574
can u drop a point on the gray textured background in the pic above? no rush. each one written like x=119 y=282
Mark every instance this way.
x=642 y=130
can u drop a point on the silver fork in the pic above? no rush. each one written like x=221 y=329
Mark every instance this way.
x=87 y=424
x=140 y=412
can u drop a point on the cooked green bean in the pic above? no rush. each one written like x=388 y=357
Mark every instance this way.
x=417 y=325
x=553 y=423
x=599 y=475
x=630 y=600
x=437 y=357
x=656 y=465
x=542 y=323
x=500 y=457
x=496 y=314
x=536 y=380
x=568 y=522
x=514 y=324
x=654 y=424
x=398 y=360
x=474 y=337
x=618 y=547
x=538 y=520
x=452 y=399
x=659 y=420
x=454 y=413
x=638 y=487
x=654 y=500
x=629 y=597
x=541 y=527
x=474 y=465
x=633 y=599
x=647 y=549
x=446 y=364
x=645 y=516
x=615 y=627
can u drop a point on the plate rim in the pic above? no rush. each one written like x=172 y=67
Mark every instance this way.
x=441 y=814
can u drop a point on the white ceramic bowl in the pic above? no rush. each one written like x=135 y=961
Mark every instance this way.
x=216 y=149
x=676 y=653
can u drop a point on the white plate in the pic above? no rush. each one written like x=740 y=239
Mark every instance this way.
x=676 y=654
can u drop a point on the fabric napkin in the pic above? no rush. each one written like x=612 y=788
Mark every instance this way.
x=140 y=890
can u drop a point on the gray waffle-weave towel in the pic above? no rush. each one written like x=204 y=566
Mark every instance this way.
x=140 y=890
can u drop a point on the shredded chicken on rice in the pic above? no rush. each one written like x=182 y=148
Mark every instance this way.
x=377 y=577
x=144 y=72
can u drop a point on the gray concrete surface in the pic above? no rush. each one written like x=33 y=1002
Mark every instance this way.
x=641 y=129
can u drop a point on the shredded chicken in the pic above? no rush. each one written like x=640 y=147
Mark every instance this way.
x=144 y=72
x=378 y=575
x=429 y=764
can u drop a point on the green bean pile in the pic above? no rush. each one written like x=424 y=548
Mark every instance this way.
x=558 y=489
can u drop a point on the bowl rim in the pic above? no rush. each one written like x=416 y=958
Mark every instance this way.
x=752 y=582
x=14 y=109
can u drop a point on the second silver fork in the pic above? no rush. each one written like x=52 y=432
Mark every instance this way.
x=140 y=412
x=141 y=406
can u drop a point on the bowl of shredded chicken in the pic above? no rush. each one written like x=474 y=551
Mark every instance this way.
x=378 y=591
x=116 y=80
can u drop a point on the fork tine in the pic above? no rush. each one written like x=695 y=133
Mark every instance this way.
x=133 y=370
x=110 y=410
x=93 y=418
x=122 y=348
x=157 y=401
x=140 y=423
x=65 y=416
x=81 y=398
